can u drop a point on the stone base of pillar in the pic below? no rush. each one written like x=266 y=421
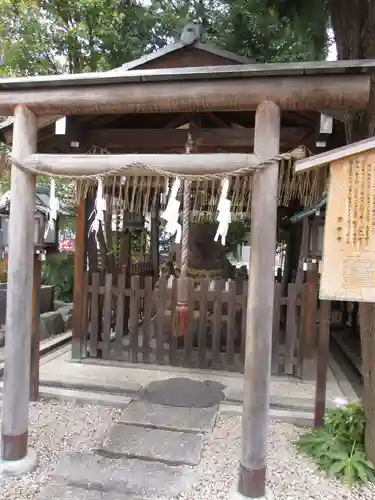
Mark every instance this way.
x=236 y=495
x=19 y=467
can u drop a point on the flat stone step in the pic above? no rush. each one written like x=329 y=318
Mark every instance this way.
x=65 y=492
x=176 y=448
x=142 y=413
x=139 y=478
x=81 y=397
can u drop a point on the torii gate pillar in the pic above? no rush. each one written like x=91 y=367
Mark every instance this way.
x=260 y=307
x=16 y=458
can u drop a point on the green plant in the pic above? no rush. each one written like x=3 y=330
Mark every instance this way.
x=348 y=422
x=338 y=448
x=237 y=234
x=59 y=272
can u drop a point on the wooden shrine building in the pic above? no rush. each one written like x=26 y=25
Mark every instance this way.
x=126 y=132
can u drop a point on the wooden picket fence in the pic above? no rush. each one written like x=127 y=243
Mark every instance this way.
x=134 y=323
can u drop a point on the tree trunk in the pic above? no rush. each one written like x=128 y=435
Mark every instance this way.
x=206 y=256
x=353 y=22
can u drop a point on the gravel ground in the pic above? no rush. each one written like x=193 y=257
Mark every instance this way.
x=291 y=477
x=56 y=428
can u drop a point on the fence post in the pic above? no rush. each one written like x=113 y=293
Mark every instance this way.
x=322 y=363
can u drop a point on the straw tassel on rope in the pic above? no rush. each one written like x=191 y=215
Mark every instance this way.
x=181 y=317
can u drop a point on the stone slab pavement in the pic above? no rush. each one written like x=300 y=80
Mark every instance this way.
x=165 y=417
x=170 y=447
x=137 y=478
x=63 y=492
x=137 y=460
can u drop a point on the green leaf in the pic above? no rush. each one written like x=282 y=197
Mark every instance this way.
x=361 y=471
x=338 y=457
x=349 y=473
x=336 y=468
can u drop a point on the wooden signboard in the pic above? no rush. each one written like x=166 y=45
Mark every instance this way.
x=348 y=270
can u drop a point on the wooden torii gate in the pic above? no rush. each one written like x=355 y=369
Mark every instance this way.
x=14 y=439
x=298 y=92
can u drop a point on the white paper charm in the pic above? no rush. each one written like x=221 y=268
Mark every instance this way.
x=224 y=213
x=54 y=206
x=100 y=208
x=172 y=210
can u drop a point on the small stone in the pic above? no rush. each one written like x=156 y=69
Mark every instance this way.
x=51 y=323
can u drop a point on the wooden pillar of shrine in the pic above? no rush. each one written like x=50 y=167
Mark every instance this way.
x=252 y=475
x=79 y=335
x=310 y=310
x=35 y=329
x=15 y=458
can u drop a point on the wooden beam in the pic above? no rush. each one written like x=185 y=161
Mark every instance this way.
x=305 y=92
x=14 y=438
x=151 y=140
x=140 y=164
x=260 y=306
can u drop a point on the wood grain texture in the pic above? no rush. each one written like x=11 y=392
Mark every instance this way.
x=307 y=92
x=245 y=289
x=120 y=312
x=261 y=298
x=203 y=324
x=95 y=320
x=231 y=323
x=160 y=318
x=192 y=323
x=276 y=328
x=292 y=323
x=134 y=310
x=107 y=314
x=86 y=311
x=79 y=271
x=322 y=364
x=146 y=326
x=216 y=324
x=20 y=283
x=173 y=341
x=35 y=331
x=140 y=164
x=348 y=270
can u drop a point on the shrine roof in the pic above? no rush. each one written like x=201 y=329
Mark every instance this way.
x=313 y=68
x=42 y=199
x=322 y=159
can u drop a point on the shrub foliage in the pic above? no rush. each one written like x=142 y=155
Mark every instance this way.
x=338 y=448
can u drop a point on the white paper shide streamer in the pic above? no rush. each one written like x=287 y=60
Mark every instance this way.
x=172 y=211
x=100 y=208
x=224 y=215
x=54 y=206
